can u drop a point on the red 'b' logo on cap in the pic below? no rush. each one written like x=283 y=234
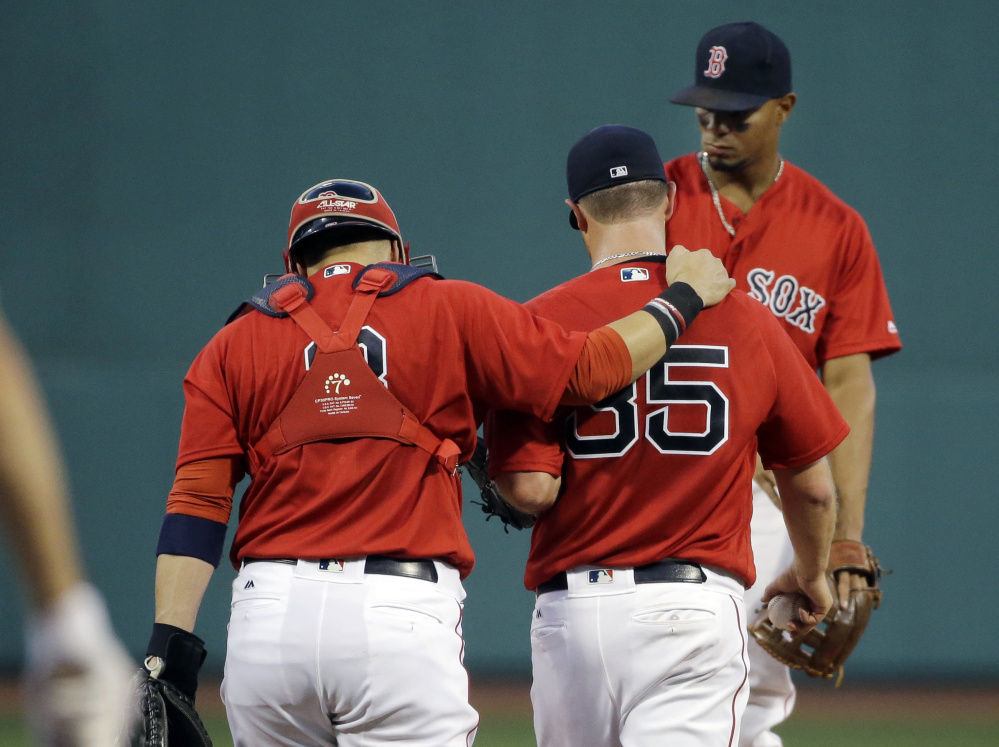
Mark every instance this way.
x=716 y=62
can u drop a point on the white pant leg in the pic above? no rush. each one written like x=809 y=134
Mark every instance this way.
x=346 y=658
x=771 y=692
x=660 y=664
x=573 y=705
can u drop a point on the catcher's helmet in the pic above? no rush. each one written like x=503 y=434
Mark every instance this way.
x=340 y=202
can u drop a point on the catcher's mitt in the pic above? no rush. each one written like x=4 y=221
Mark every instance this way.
x=822 y=651
x=492 y=502
x=166 y=716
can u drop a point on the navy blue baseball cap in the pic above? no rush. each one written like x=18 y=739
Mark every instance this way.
x=609 y=156
x=739 y=66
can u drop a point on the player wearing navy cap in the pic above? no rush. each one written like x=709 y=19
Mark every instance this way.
x=641 y=551
x=806 y=256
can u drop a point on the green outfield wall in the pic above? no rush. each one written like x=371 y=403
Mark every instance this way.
x=150 y=153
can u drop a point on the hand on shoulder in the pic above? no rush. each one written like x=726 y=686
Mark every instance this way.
x=702 y=271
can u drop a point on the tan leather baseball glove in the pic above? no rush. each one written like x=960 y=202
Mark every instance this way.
x=822 y=651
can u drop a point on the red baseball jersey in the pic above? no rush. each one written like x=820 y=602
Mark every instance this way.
x=663 y=469
x=802 y=252
x=448 y=350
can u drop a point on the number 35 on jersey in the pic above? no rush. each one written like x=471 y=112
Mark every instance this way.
x=683 y=416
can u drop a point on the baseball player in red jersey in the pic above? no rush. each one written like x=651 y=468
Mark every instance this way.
x=350 y=392
x=641 y=551
x=807 y=257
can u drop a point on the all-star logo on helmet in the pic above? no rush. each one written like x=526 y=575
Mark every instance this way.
x=335 y=203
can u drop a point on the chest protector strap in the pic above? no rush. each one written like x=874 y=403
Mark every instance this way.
x=340 y=396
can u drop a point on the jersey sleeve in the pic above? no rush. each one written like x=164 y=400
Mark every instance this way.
x=208 y=429
x=513 y=360
x=860 y=318
x=803 y=424
x=519 y=442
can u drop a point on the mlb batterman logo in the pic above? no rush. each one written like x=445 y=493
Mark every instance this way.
x=716 y=62
x=603 y=576
x=336 y=270
x=634 y=274
x=618 y=171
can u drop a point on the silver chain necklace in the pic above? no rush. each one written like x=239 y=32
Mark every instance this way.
x=702 y=158
x=626 y=254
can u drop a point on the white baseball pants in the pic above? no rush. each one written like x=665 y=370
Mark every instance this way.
x=625 y=665
x=771 y=692
x=321 y=657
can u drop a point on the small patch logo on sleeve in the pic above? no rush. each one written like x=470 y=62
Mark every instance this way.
x=603 y=576
x=336 y=270
x=634 y=274
x=619 y=171
x=892 y=328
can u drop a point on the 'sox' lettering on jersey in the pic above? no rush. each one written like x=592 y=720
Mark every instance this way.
x=786 y=297
x=716 y=62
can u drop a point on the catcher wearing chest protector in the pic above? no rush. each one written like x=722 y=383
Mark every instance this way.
x=345 y=622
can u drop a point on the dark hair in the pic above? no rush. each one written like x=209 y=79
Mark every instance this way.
x=311 y=250
x=624 y=202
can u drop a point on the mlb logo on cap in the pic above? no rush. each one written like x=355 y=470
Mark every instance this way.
x=619 y=171
x=633 y=274
x=603 y=576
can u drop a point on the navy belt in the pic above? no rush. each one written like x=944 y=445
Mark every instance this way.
x=378 y=565
x=661 y=572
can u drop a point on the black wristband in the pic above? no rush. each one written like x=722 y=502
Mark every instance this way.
x=675 y=309
x=182 y=654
